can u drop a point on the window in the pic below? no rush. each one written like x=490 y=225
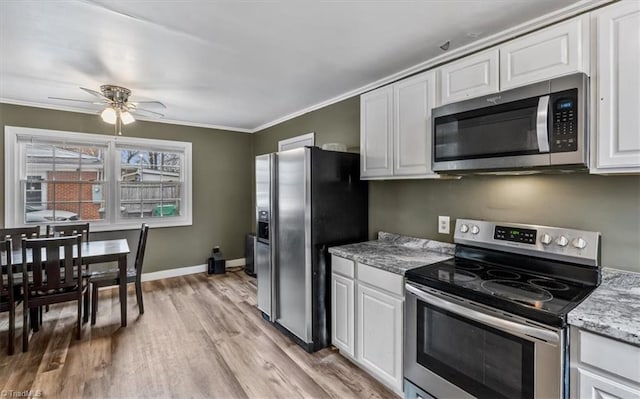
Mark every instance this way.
x=112 y=182
x=150 y=183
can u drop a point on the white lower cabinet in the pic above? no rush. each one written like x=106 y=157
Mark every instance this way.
x=342 y=314
x=595 y=386
x=380 y=334
x=367 y=307
x=603 y=368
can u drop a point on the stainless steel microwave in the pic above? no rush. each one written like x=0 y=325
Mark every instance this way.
x=540 y=126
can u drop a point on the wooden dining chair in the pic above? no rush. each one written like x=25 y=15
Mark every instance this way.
x=56 y=277
x=17 y=234
x=109 y=278
x=66 y=230
x=7 y=292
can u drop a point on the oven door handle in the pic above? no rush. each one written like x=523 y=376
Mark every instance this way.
x=542 y=124
x=519 y=329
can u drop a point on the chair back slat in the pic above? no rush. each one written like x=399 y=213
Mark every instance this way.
x=59 y=269
x=67 y=230
x=36 y=268
x=71 y=273
x=6 y=276
x=18 y=233
x=142 y=245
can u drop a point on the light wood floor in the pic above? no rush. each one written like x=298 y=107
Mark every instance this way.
x=200 y=336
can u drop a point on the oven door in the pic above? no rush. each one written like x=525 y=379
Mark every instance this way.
x=454 y=348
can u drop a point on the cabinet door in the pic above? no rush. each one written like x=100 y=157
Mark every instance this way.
x=342 y=314
x=413 y=100
x=618 y=95
x=376 y=124
x=559 y=50
x=472 y=76
x=379 y=337
x=594 y=386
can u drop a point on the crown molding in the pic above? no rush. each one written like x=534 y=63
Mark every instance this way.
x=56 y=107
x=570 y=11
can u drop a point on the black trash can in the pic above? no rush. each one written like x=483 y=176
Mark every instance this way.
x=217 y=264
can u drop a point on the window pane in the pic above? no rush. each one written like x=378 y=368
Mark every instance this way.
x=39 y=159
x=149 y=165
x=35 y=193
x=141 y=199
x=59 y=212
x=65 y=201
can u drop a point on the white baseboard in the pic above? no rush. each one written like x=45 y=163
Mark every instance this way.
x=183 y=271
x=236 y=262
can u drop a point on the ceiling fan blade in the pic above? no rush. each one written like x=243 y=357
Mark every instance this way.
x=142 y=110
x=148 y=103
x=78 y=101
x=95 y=93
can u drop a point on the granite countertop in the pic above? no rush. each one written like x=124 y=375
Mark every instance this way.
x=613 y=309
x=396 y=253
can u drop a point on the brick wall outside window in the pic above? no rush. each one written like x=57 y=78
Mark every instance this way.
x=73 y=192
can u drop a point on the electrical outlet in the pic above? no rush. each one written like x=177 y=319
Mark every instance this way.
x=443 y=224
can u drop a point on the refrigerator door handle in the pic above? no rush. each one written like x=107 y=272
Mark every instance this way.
x=307 y=245
x=273 y=234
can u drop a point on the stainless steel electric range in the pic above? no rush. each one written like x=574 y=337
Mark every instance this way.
x=491 y=322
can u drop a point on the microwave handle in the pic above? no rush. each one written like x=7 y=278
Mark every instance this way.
x=542 y=125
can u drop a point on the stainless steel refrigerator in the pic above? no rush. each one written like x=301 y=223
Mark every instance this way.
x=307 y=200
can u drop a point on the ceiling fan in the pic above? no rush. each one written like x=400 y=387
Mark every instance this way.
x=118 y=109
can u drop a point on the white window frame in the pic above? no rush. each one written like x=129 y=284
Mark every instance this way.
x=14 y=206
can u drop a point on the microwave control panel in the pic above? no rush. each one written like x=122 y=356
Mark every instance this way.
x=564 y=115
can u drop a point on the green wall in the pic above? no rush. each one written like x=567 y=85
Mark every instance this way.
x=221 y=198
x=609 y=204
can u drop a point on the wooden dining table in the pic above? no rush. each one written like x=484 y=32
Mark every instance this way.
x=94 y=252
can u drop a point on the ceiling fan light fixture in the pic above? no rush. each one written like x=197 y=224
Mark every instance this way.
x=127 y=117
x=109 y=115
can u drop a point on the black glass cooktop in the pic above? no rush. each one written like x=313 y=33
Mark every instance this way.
x=540 y=297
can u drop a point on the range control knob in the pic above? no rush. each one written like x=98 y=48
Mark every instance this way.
x=464 y=228
x=562 y=241
x=579 y=243
x=475 y=229
x=546 y=239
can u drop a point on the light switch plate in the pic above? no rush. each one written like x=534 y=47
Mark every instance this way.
x=443 y=224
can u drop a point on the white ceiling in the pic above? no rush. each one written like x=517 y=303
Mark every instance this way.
x=239 y=64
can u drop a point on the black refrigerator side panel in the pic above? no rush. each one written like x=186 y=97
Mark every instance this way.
x=339 y=199
x=339 y=215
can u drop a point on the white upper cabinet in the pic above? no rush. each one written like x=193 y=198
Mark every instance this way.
x=413 y=100
x=558 y=50
x=376 y=126
x=395 y=129
x=472 y=76
x=618 y=88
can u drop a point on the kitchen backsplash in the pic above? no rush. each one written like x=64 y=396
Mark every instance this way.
x=608 y=204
